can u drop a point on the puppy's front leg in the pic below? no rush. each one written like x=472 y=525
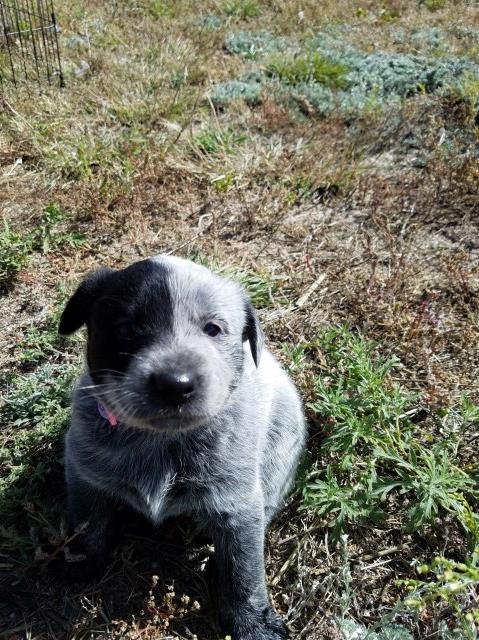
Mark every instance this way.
x=245 y=611
x=90 y=513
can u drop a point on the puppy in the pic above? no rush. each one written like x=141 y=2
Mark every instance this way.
x=181 y=410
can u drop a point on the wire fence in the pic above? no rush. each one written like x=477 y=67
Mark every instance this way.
x=29 y=43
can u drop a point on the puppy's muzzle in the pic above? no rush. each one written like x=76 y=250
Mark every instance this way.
x=172 y=388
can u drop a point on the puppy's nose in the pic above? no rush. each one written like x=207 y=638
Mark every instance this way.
x=174 y=387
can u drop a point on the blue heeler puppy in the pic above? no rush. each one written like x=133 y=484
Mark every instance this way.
x=181 y=410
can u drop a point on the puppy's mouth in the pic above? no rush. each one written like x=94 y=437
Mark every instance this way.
x=179 y=420
x=136 y=410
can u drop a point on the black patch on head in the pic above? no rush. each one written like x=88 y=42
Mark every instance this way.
x=253 y=332
x=126 y=312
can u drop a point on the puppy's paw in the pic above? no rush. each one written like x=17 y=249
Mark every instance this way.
x=275 y=623
x=265 y=625
x=81 y=570
x=77 y=565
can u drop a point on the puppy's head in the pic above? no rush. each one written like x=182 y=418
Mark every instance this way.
x=165 y=340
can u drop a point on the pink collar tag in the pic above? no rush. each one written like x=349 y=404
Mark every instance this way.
x=107 y=414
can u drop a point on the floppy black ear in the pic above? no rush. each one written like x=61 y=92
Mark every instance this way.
x=78 y=307
x=253 y=332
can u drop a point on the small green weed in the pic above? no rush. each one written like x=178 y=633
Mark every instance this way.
x=264 y=291
x=161 y=8
x=389 y=14
x=451 y=583
x=296 y=357
x=212 y=143
x=308 y=68
x=224 y=182
x=16 y=247
x=15 y=250
x=300 y=190
x=49 y=235
x=37 y=399
x=39 y=343
x=375 y=455
x=242 y=9
x=209 y=22
x=434 y=5
x=466 y=90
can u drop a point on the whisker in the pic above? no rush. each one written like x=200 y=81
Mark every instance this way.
x=95 y=386
x=115 y=371
x=132 y=355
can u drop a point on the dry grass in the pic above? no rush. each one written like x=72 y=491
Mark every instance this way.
x=369 y=219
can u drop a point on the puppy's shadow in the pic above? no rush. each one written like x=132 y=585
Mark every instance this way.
x=156 y=578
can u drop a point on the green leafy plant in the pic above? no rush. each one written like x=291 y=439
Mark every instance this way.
x=376 y=459
x=34 y=416
x=313 y=67
x=351 y=630
x=36 y=410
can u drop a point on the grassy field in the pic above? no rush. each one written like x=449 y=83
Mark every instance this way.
x=326 y=154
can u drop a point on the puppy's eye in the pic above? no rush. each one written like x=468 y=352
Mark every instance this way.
x=211 y=329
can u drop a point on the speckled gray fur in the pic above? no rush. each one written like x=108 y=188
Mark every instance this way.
x=227 y=458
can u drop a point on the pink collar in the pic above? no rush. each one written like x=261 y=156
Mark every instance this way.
x=107 y=414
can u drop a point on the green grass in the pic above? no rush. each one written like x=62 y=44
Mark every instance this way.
x=34 y=416
x=40 y=343
x=16 y=247
x=243 y=9
x=212 y=143
x=50 y=233
x=15 y=250
x=264 y=290
x=161 y=8
x=82 y=156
